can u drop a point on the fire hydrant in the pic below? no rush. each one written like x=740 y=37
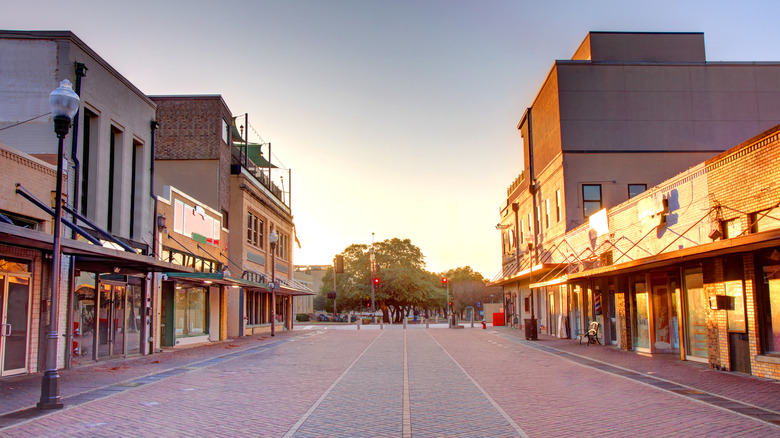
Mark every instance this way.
x=484 y=326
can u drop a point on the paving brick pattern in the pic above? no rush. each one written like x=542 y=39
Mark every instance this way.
x=342 y=383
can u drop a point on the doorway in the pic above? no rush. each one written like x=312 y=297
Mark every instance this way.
x=14 y=323
x=111 y=320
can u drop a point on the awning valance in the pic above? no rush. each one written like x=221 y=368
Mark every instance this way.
x=88 y=257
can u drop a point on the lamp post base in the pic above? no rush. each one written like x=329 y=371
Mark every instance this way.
x=50 y=391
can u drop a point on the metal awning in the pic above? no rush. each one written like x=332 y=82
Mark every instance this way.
x=751 y=242
x=526 y=274
x=202 y=278
x=88 y=257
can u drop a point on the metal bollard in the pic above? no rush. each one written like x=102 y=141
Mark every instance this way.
x=472 y=319
x=427 y=323
x=360 y=321
x=381 y=323
x=404 y=322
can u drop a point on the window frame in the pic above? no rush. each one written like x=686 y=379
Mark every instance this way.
x=585 y=201
x=636 y=185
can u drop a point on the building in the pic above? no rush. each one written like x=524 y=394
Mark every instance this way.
x=311 y=276
x=201 y=151
x=628 y=111
x=103 y=301
x=689 y=268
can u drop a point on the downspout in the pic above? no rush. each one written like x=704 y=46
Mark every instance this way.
x=150 y=307
x=81 y=71
x=532 y=191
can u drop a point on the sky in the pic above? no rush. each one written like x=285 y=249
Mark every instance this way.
x=398 y=119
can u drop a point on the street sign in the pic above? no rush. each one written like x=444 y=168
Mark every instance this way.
x=478 y=304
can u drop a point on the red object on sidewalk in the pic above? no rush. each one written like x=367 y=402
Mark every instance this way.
x=484 y=326
x=498 y=319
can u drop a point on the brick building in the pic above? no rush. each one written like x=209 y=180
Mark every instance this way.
x=626 y=112
x=691 y=267
x=201 y=151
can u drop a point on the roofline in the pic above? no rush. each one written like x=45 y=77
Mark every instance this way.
x=55 y=35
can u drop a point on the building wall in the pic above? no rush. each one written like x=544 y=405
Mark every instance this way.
x=191 y=129
x=34 y=64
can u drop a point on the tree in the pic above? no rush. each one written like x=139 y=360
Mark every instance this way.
x=467 y=287
x=404 y=283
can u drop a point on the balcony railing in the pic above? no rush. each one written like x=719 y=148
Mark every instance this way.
x=240 y=158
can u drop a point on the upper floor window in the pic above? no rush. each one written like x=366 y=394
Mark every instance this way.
x=546 y=214
x=591 y=199
x=558 y=205
x=254 y=230
x=283 y=247
x=635 y=189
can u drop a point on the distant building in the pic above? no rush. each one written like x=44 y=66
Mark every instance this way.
x=311 y=276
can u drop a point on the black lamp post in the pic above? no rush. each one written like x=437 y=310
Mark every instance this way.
x=273 y=238
x=64 y=103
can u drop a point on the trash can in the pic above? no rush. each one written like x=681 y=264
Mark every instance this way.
x=530 y=329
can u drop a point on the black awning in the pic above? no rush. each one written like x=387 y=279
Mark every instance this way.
x=88 y=257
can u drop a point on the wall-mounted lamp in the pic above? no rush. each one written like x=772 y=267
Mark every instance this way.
x=161 y=223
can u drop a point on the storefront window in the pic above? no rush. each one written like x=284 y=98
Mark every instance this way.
x=191 y=312
x=696 y=308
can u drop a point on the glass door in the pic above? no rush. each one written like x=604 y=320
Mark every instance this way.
x=640 y=317
x=14 y=324
x=111 y=320
x=695 y=314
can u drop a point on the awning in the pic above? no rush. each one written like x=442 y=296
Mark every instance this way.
x=88 y=257
x=526 y=274
x=751 y=242
x=202 y=278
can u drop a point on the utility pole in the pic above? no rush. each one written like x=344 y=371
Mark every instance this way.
x=373 y=275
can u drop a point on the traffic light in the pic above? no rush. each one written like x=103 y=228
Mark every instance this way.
x=450 y=303
x=338 y=264
x=376 y=281
x=444 y=282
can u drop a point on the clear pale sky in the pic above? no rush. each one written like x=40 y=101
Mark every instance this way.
x=396 y=117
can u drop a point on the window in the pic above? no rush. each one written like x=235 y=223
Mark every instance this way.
x=591 y=199
x=546 y=213
x=282 y=247
x=558 y=205
x=225 y=131
x=635 y=189
x=191 y=312
x=522 y=233
x=254 y=230
x=765 y=220
x=224 y=219
x=136 y=175
x=530 y=227
x=114 y=143
x=89 y=137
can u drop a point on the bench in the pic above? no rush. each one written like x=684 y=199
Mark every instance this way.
x=592 y=334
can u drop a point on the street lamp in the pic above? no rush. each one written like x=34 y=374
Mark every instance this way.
x=64 y=103
x=273 y=239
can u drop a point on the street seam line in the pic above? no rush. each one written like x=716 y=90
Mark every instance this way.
x=500 y=410
x=687 y=397
x=407 y=428
x=325 y=394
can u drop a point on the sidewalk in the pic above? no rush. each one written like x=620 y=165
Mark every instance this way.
x=22 y=392
x=761 y=392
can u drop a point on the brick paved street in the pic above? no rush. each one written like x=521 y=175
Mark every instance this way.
x=325 y=382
